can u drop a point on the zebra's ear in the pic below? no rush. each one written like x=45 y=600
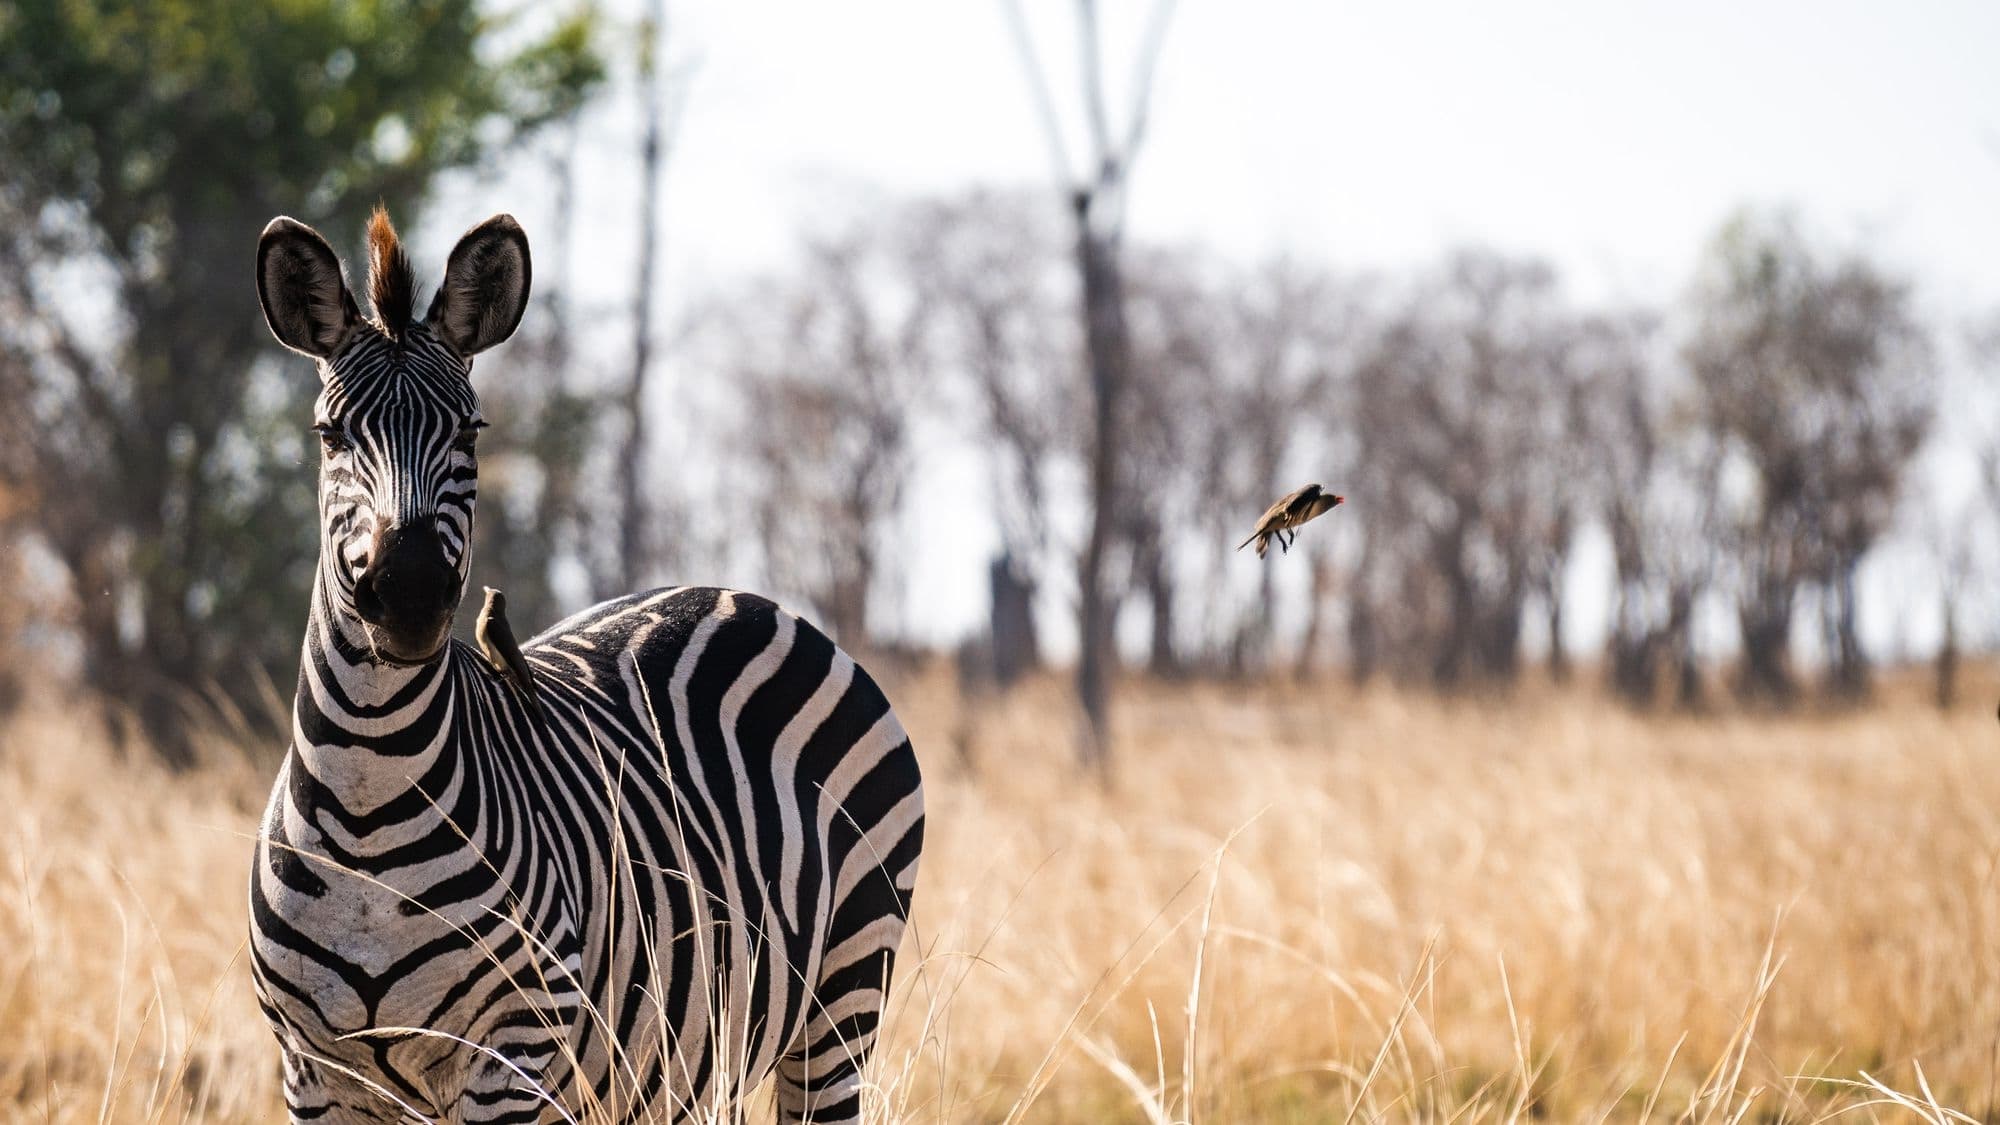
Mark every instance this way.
x=300 y=285
x=485 y=288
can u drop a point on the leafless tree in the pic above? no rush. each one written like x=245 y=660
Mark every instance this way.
x=1816 y=378
x=1097 y=196
x=1650 y=482
x=1175 y=335
x=1959 y=532
x=1457 y=414
x=999 y=327
x=1951 y=538
x=827 y=362
x=535 y=515
x=1245 y=372
x=662 y=97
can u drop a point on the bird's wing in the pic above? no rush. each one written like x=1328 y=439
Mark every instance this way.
x=496 y=658
x=1299 y=503
x=517 y=666
x=482 y=631
x=1281 y=515
x=1274 y=516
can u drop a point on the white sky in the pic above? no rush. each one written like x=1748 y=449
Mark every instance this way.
x=1611 y=138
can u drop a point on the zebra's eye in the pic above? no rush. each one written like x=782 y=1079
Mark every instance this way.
x=468 y=436
x=332 y=438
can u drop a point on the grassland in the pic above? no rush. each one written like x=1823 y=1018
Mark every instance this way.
x=1290 y=904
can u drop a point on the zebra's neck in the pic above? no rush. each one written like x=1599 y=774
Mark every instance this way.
x=368 y=729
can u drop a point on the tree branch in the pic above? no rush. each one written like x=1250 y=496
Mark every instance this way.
x=1038 y=87
x=1150 y=50
x=1090 y=64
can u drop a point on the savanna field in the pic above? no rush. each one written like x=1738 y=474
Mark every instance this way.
x=1292 y=903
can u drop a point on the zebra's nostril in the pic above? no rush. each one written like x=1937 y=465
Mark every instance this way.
x=367 y=601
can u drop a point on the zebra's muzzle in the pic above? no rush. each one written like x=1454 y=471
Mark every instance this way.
x=407 y=593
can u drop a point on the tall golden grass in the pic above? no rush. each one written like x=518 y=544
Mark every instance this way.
x=1289 y=904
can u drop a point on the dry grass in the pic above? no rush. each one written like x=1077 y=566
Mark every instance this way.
x=1292 y=905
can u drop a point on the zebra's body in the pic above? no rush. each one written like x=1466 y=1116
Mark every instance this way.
x=691 y=868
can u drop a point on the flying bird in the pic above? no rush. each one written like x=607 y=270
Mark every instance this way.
x=1282 y=519
x=497 y=644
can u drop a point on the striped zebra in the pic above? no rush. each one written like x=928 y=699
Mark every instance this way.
x=688 y=869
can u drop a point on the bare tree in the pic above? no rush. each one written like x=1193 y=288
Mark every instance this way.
x=999 y=325
x=1651 y=482
x=1961 y=532
x=1097 y=198
x=662 y=97
x=1245 y=370
x=1951 y=541
x=1173 y=332
x=1627 y=427
x=1816 y=378
x=1457 y=415
x=535 y=515
x=826 y=361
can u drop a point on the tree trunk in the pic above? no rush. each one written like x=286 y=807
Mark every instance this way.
x=1635 y=649
x=1362 y=653
x=632 y=531
x=1448 y=662
x=1946 y=665
x=1011 y=621
x=1679 y=636
x=1108 y=352
x=1850 y=664
x=556 y=503
x=1163 y=660
x=1766 y=624
x=1321 y=590
x=1559 y=666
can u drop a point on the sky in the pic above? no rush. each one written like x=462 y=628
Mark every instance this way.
x=1611 y=139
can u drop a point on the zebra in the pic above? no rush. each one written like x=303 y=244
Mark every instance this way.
x=687 y=869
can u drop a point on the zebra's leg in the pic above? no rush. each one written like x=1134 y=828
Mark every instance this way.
x=312 y=1095
x=306 y=1097
x=515 y=1080
x=819 y=1079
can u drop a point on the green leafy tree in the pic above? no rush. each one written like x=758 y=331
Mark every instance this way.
x=141 y=149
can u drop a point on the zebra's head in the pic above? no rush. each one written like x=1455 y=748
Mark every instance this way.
x=396 y=415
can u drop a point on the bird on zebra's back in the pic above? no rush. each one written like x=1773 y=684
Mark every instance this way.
x=498 y=646
x=1282 y=520
x=675 y=857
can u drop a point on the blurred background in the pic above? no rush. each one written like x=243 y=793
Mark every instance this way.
x=1654 y=347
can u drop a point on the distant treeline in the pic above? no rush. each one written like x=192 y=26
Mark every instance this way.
x=1742 y=451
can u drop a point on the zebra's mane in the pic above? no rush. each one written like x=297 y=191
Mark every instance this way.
x=392 y=284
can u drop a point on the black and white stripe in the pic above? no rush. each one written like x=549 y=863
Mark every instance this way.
x=691 y=871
